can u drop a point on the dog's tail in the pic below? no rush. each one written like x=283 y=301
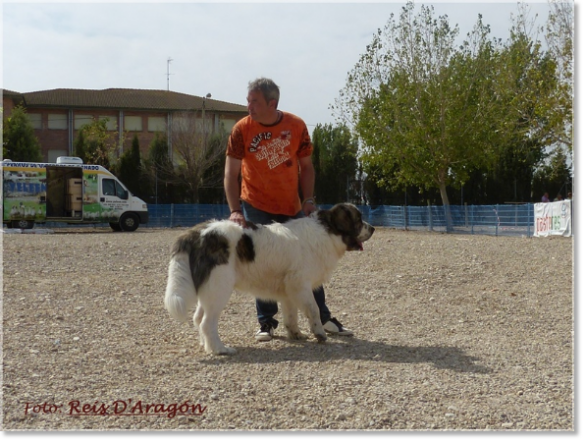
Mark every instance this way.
x=180 y=296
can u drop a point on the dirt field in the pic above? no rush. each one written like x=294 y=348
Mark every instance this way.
x=452 y=332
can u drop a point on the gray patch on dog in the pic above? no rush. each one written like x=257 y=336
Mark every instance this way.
x=250 y=225
x=245 y=249
x=205 y=252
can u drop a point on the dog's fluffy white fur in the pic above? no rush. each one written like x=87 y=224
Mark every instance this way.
x=280 y=262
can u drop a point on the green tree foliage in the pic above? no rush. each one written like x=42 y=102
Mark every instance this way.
x=530 y=84
x=158 y=168
x=94 y=144
x=433 y=114
x=553 y=176
x=559 y=38
x=335 y=161
x=130 y=169
x=425 y=109
x=19 y=140
x=211 y=190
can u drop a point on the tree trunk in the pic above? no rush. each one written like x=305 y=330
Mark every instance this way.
x=446 y=206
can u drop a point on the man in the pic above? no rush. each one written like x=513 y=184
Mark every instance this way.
x=271 y=150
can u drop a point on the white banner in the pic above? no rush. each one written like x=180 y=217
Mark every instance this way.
x=552 y=218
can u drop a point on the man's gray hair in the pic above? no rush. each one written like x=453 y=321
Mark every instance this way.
x=268 y=88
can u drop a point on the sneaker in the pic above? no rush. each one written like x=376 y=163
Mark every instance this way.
x=265 y=333
x=334 y=327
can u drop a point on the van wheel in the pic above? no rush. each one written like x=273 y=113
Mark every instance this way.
x=22 y=224
x=128 y=222
x=116 y=227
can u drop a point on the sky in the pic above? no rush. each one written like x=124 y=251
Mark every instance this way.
x=306 y=48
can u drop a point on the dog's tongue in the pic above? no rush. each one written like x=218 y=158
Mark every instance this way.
x=361 y=244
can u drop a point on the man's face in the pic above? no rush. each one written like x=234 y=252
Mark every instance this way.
x=259 y=109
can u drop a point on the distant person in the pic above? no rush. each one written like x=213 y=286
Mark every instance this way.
x=570 y=195
x=559 y=197
x=544 y=198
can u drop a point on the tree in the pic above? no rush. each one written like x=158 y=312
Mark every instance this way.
x=553 y=176
x=196 y=152
x=211 y=191
x=94 y=144
x=335 y=161
x=159 y=169
x=19 y=140
x=432 y=114
x=559 y=38
x=530 y=85
x=130 y=168
x=528 y=82
x=426 y=111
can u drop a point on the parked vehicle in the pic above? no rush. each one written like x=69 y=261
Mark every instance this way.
x=67 y=191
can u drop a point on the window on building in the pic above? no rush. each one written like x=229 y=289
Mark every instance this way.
x=227 y=124
x=111 y=122
x=81 y=120
x=204 y=125
x=181 y=123
x=157 y=124
x=132 y=123
x=57 y=121
x=53 y=154
x=35 y=121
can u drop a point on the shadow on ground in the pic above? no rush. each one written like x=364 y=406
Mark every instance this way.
x=348 y=349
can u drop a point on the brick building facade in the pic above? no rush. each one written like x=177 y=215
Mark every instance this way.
x=57 y=115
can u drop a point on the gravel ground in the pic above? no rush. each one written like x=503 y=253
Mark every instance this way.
x=452 y=332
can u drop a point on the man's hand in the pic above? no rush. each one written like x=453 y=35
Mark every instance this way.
x=309 y=206
x=238 y=217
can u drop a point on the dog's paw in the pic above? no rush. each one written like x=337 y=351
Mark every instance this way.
x=296 y=336
x=225 y=351
x=321 y=338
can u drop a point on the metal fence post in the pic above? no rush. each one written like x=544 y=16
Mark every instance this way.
x=430 y=216
x=528 y=223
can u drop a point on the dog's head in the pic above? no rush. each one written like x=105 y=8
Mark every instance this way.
x=345 y=220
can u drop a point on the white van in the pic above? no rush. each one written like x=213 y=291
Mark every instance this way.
x=67 y=191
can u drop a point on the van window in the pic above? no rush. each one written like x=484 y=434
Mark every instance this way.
x=120 y=191
x=114 y=188
x=108 y=187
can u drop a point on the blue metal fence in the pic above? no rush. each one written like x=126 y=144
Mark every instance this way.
x=498 y=220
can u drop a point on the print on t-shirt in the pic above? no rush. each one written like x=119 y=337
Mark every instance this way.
x=274 y=151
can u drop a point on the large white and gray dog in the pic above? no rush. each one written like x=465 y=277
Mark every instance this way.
x=280 y=262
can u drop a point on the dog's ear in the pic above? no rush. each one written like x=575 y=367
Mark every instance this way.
x=346 y=219
x=343 y=220
x=337 y=220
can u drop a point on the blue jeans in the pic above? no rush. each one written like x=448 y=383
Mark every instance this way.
x=266 y=310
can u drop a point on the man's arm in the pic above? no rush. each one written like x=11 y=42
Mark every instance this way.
x=307 y=182
x=232 y=188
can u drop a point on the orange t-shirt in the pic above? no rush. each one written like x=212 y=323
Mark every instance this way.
x=270 y=162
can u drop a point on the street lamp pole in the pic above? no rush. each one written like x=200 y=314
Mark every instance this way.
x=203 y=113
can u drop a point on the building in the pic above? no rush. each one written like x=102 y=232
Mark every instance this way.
x=57 y=115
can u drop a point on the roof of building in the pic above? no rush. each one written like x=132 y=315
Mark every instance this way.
x=135 y=99
x=10 y=93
